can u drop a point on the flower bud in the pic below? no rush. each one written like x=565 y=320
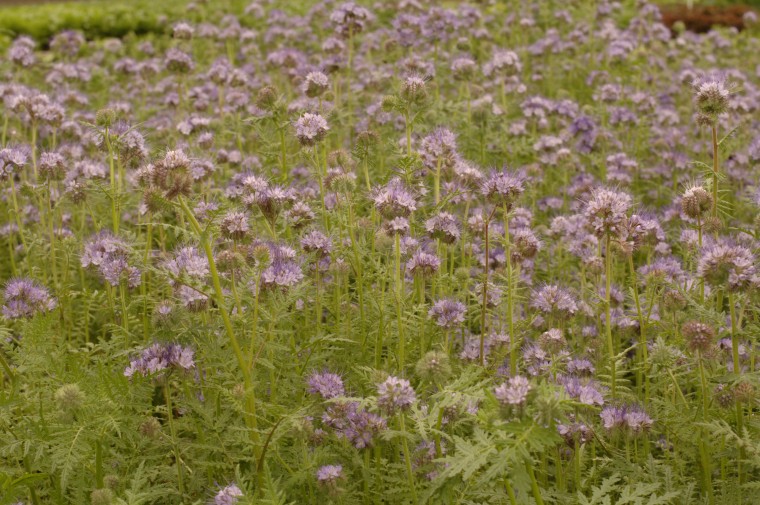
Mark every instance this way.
x=105 y=117
x=434 y=367
x=101 y=496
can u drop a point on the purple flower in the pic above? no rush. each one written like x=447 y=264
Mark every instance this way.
x=327 y=385
x=228 y=495
x=723 y=264
x=612 y=417
x=283 y=271
x=580 y=366
x=394 y=199
x=606 y=210
x=502 y=188
x=160 y=357
x=234 y=225
x=317 y=242
x=711 y=97
x=188 y=261
x=585 y=391
x=575 y=431
x=21 y=52
x=443 y=226
x=12 y=159
x=514 y=391
x=110 y=255
x=350 y=19
x=554 y=301
x=395 y=394
x=448 y=313
x=52 y=166
x=311 y=128
x=503 y=61
x=329 y=474
x=630 y=417
x=24 y=298
x=637 y=420
x=439 y=147
x=358 y=426
x=398 y=225
x=423 y=263
x=315 y=83
x=178 y=61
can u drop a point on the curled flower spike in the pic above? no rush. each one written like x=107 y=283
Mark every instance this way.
x=727 y=265
x=327 y=385
x=606 y=211
x=514 y=391
x=160 y=357
x=502 y=188
x=310 y=129
x=24 y=298
x=448 y=313
x=395 y=394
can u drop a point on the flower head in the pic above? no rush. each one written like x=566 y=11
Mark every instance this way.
x=554 y=301
x=502 y=188
x=311 y=128
x=160 y=357
x=327 y=385
x=724 y=264
x=395 y=394
x=350 y=19
x=514 y=391
x=24 y=298
x=228 y=495
x=110 y=256
x=443 y=226
x=423 y=263
x=328 y=474
x=448 y=313
x=606 y=211
x=394 y=199
x=711 y=97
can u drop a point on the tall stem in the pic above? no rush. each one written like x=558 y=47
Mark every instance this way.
x=484 y=308
x=704 y=449
x=250 y=403
x=642 y=329
x=738 y=372
x=607 y=310
x=511 y=280
x=715 y=171
x=399 y=294
x=114 y=190
x=408 y=460
x=437 y=190
x=173 y=432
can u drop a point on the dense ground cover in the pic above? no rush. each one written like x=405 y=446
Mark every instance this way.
x=393 y=253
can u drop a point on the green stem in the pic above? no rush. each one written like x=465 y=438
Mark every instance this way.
x=173 y=432
x=250 y=403
x=715 y=171
x=114 y=190
x=642 y=328
x=484 y=308
x=534 y=484
x=607 y=311
x=399 y=296
x=408 y=460
x=511 y=281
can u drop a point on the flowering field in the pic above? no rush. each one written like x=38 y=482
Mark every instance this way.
x=486 y=253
